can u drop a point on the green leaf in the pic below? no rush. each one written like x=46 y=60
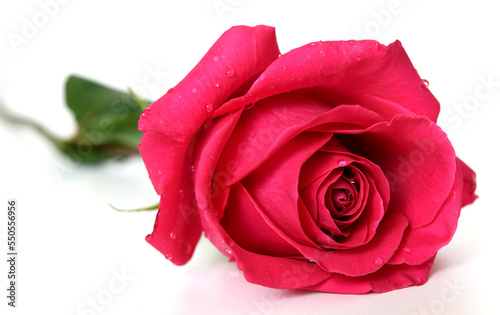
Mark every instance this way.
x=106 y=118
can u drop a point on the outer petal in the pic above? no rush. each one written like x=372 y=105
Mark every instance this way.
x=180 y=113
x=270 y=271
x=348 y=73
x=424 y=242
x=469 y=188
x=170 y=123
x=386 y=279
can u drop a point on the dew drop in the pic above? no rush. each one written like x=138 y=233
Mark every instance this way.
x=148 y=108
x=168 y=256
x=173 y=236
x=216 y=59
x=143 y=114
x=160 y=172
x=358 y=58
x=425 y=83
x=407 y=250
x=378 y=261
x=308 y=56
x=321 y=53
x=342 y=163
x=181 y=193
x=252 y=135
x=230 y=72
x=217 y=84
x=192 y=168
x=209 y=107
x=194 y=90
x=180 y=96
x=228 y=251
x=319 y=71
x=212 y=157
x=418 y=280
x=271 y=87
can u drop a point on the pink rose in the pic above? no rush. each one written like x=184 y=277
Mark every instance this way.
x=320 y=169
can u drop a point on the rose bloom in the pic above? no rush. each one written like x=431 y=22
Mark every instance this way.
x=319 y=169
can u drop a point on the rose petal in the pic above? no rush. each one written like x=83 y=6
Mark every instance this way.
x=388 y=278
x=171 y=122
x=365 y=259
x=244 y=224
x=210 y=190
x=180 y=112
x=419 y=244
x=270 y=271
x=348 y=73
x=468 y=195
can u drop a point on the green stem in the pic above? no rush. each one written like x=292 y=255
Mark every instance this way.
x=16 y=120
x=150 y=208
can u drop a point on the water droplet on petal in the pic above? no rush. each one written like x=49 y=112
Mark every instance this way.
x=216 y=84
x=172 y=235
x=342 y=163
x=148 y=108
x=378 y=261
x=358 y=58
x=212 y=157
x=209 y=107
x=407 y=250
x=143 y=114
x=160 y=172
x=321 y=53
x=228 y=251
x=194 y=90
x=252 y=135
x=192 y=168
x=271 y=87
x=308 y=56
x=216 y=59
x=230 y=72
x=168 y=256
x=181 y=193
x=425 y=83
x=418 y=280
x=180 y=96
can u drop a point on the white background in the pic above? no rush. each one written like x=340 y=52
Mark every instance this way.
x=72 y=245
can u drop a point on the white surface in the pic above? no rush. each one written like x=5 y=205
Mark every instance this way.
x=72 y=245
